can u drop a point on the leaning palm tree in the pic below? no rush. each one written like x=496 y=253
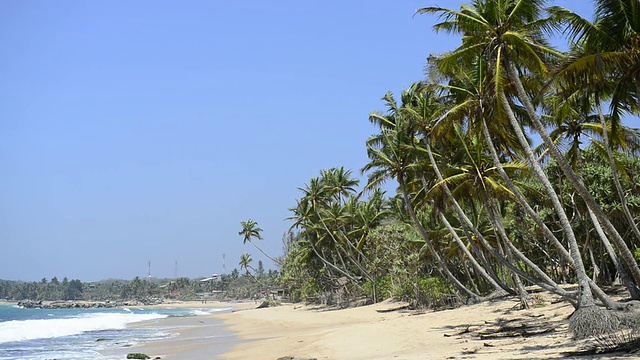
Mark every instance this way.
x=575 y=124
x=251 y=230
x=245 y=263
x=509 y=35
x=392 y=156
x=421 y=107
x=604 y=62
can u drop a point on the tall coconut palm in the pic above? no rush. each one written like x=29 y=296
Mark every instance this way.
x=392 y=155
x=609 y=48
x=509 y=35
x=250 y=230
x=605 y=62
x=309 y=215
x=575 y=125
x=245 y=262
x=339 y=182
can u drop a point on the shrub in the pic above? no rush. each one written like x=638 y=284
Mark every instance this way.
x=138 y=356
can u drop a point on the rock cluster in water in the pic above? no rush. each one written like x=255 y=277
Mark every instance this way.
x=32 y=304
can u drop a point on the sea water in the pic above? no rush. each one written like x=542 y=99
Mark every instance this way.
x=70 y=334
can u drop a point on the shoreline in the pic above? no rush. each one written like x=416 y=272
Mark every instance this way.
x=381 y=331
x=190 y=337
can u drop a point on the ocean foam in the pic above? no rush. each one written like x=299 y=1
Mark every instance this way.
x=20 y=330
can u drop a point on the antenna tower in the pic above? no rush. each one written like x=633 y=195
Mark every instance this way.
x=149 y=268
x=224 y=264
x=176 y=274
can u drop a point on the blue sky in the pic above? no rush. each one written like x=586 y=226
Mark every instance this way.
x=146 y=131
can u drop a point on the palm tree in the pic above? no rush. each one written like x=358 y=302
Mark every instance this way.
x=606 y=61
x=608 y=49
x=392 y=155
x=509 y=35
x=308 y=215
x=245 y=262
x=423 y=108
x=575 y=123
x=474 y=100
x=339 y=182
x=251 y=230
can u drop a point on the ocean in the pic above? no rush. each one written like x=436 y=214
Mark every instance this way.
x=74 y=334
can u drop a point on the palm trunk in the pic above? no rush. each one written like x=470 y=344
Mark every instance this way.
x=330 y=264
x=443 y=266
x=476 y=266
x=485 y=264
x=586 y=297
x=278 y=262
x=525 y=205
x=614 y=172
x=464 y=220
x=547 y=283
x=521 y=199
x=625 y=253
x=624 y=276
x=349 y=256
x=494 y=217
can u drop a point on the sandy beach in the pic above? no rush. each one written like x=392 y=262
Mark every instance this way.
x=490 y=330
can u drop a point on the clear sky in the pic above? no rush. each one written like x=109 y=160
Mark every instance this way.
x=136 y=131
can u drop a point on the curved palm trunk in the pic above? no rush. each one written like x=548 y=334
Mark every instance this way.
x=534 y=215
x=485 y=263
x=521 y=199
x=476 y=266
x=464 y=219
x=330 y=264
x=350 y=256
x=625 y=253
x=624 y=276
x=614 y=172
x=265 y=254
x=443 y=266
x=547 y=282
x=253 y=276
x=494 y=217
x=586 y=297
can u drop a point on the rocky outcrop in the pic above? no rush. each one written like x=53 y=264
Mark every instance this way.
x=32 y=304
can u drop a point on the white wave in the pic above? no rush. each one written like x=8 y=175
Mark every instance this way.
x=221 y=309
x=208 y=311
x=20 y=330
x=200 y=312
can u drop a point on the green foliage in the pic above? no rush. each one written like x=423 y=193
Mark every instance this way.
x=435 y=292
x=310 y=290
x=141 y=289
x=138 y=356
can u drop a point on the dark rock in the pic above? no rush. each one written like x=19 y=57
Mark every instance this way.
x=138 y=356
x=31 y=304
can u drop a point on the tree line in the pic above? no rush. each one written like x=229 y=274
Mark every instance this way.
x=232 y=286
x=481 y=210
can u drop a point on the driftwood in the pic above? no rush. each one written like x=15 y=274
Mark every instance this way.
x=465 y=331
x=524 y=330
x=396 y=308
